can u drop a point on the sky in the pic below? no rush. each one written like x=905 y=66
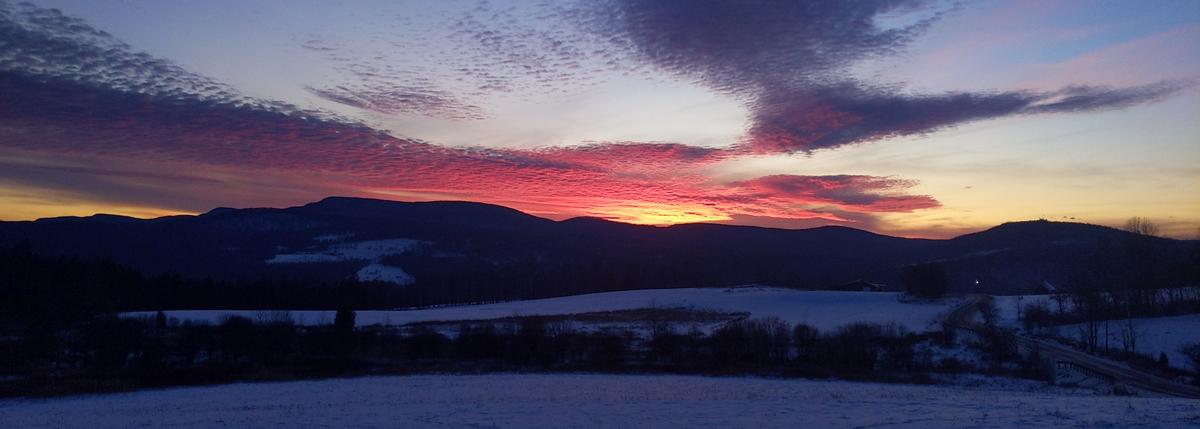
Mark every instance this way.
x=907 y=117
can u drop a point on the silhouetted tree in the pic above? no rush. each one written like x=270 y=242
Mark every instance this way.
x=666 y=347
x=1141 y=226
x=343 y=321
x=160 y=320
x=926 y=280
x=1192 y=352
x=1037 y=315
x=805 y=338
x=235 y=337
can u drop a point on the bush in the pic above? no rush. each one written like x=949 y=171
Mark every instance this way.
x=854 y=348
x=769 y=340
x=805 y=338
x=196 y=338
x=665 y=347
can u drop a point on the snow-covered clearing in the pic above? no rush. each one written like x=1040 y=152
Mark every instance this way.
x=384 y=273
x=370 y=250
x=825 y=310
x=595 y=401
x=1154 y=335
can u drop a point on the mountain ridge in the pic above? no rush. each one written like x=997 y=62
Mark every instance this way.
x=465 y=244
x=333 y=201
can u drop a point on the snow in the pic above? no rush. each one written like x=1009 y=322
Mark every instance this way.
x=825 y=310
x=1154 y=335
x=370 y=250
x=303 y=258
x=328 y=238
x=595 y=401
x=384 y=273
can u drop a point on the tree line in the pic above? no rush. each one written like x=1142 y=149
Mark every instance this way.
x=111 y=353
x=48 y=293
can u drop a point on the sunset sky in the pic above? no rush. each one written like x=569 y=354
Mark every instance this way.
x=914 y=118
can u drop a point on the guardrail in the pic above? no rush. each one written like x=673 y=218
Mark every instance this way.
x=1069 y=365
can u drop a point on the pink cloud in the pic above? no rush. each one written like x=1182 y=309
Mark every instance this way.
x=1171 y=54
x=644 y=182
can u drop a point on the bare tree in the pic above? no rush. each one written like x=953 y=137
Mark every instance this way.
x=1090 y=294
x=1129 y=336
x=1141 y=290
x=1141 y=226
x=1192 y=352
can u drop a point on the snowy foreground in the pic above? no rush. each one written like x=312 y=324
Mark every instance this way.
x=595 y=401
x=825 y=310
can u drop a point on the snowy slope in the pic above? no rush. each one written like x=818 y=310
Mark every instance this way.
x=825 y=310
x=1154 y=335
x=595 y=401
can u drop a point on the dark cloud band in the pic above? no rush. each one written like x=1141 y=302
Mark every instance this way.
x=789 y=61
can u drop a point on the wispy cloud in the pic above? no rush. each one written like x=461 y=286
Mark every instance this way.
x=848 y=192
x=70 y=91
x=383 y=87
x=95 y=102
x=790 y=62
x=480 y=53
x=44 y=45
x=392 y=99
x=826 y=117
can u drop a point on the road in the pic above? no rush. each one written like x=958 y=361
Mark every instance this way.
x=961 y=318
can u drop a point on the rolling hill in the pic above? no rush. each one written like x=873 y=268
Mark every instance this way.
x=464 y=251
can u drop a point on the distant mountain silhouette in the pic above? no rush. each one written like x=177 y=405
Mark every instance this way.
x=471 y=250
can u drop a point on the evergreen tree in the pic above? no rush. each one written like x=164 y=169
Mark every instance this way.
x=343 y=322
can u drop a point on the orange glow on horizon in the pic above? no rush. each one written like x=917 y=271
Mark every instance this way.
x=645 y=213
x=14 y=208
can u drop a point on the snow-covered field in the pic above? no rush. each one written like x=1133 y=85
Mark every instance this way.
x=595 y=401
x=825 y=310
x=1154 y=335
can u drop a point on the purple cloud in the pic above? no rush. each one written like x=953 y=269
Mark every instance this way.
x=749 y=47
x=789 y=62
x=391 y=98
x=826 y=117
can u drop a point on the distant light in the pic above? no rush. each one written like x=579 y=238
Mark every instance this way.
x=976 y=282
